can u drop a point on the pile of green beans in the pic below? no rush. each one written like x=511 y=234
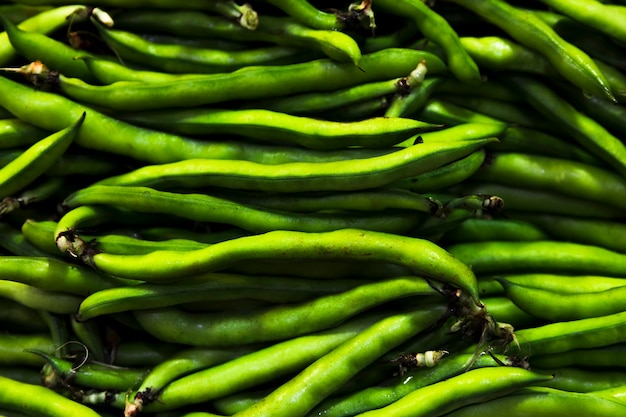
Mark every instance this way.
x=299 y=208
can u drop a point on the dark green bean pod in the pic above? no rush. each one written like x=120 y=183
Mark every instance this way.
x=15 y=317
x=406 y=105
x=12 y=346
x=596 y=358
x=486 y=229
x=15 y=133
x=582 y=380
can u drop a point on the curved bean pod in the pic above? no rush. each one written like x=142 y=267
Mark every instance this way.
x=249 y=370
x=16 y=132
x=565 y=284
x=471 y=387
x=282 y=128
x=299 y=395
x=36 y=160
x=607 y=357
x=41 y=400
x=301 y=177
x=555 y=307
x=543 y=402
x=55 y=302
x=267 y=81
x=351 y=245
x=539 y=256
x=572 y=63
x=276 y=322
x=206 y=208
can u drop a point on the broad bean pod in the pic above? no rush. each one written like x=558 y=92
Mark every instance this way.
x=282 y=128
x=565 y=284
x=205 y=287
x=540 y=402
x=42 y=401
x=207 y=208
x=471 y=387
x=301 y=177
x=36 y=160
x=436 y=28
x=15 y=133
x=601 y=357
x=590 y=134
x=351 y=245
x=249 y=370
x=529 y=30
x=107 y=134
x=276 y=322
x=553 y=306
x=557 y=175
x=582 y=380
x=485 y=229
x=303 y=392
x=251 y=82
x=539 y=256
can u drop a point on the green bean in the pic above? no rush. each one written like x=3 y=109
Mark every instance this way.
x=445 y=176
x=486 y=229
x=616 y=78
x=18 y=373
x=186 y=59
x=437 y=29
x=531 y=31
x=206 y=208
x=582 y=380
x=158 y=4
x=36 y=160
x=40 y=400
x=250 y=83
x=342 y=245
x=590 y=134
x=593 y=14
x=243 y=14
x=299 y=395
x=90 y=375
x=471 y=387
x=558 y=175
x=282 y=128
x=366 y=109
x=605 y=233
x=250 y=370
x=302 y=177
x=546 y=256
x=106 y=71
x=205 y=287
x=489 y=88
x=276 y=322
x=15 y=133
x=597 y=358
x=526 y=200
x=90 y=335
x=552 y=306
x=542 y=402
x=143 y=352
